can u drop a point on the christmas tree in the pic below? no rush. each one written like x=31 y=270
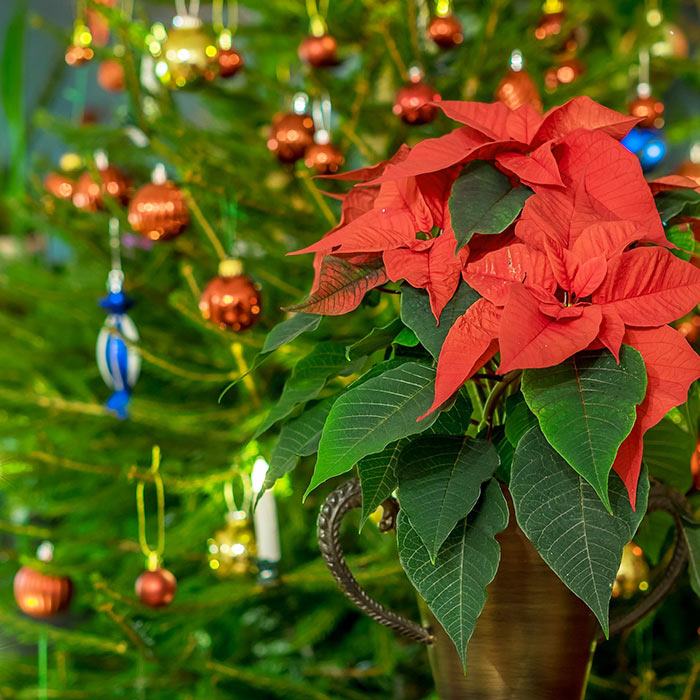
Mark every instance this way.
x=169 y=153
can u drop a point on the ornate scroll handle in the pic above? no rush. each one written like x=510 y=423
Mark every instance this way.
x=334 y=509
x=674 y=503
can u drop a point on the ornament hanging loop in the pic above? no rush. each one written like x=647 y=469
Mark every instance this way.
x=224 y=29
x=115 y=279
x=153 y=556
x=322 y=113
x=183 y=11
x=317 y=12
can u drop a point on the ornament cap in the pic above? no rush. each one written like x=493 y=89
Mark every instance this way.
x=230 y=268
x=186 y=21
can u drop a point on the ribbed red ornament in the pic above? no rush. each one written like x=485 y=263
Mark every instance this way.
x=87 y=194
x=319 y=51
x=40 y=595
x=291 y=134
x=156 y=588
x=549 y=25
x=158 y=212
x=324 y=158
x=229 y=62
x=518 y=88
x=412 y=103
x=650 y=110
x=110 y=75
x=59 y=185
x=77 y=55
x=231 y=301
x=446 y=31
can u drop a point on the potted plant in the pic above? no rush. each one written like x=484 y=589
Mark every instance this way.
x=535 y=273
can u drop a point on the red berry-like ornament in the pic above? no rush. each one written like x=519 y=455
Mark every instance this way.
x=110 y=76
x=230 y=62
x=156 y=588
x=413 y=103
x=231 y=300
x=59 y=186
x=650 y=110
x=41 y=595
x=446 y=31
x=159 y=212
x=87 y=194
x=324 y=158
x=290 y=136
x=518 y=88
x=319 y=51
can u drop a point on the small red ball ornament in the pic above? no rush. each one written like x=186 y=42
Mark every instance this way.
x=518 y=88
x=549 y=25
x=229 y=61
x=110 y=76
x=290 y=136
x=115 y=184
x=158 y=211
x=446 y=31
x=99 y=28
x=231 y=300
x=156 y=588
x=41 y=595
x=59 y=186
x=324 y=158
x=77 y=55
x=413 y=103
x=566 y=72
x=87 y=194
x=650 y=110
x=319 y=51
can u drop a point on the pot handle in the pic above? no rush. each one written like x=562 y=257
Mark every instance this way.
x=334 y=509
x=670 y=500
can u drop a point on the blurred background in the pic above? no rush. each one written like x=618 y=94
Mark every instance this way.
x=140 y=149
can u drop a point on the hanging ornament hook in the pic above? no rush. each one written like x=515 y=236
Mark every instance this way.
x=322 y=113
x=153 y=556
x=644 y=84
x=115 y=279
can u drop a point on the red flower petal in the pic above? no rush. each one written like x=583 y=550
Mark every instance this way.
x=608 y=238
x=672 y=182
x=407 y=264
x=672 y=366
x=546 y=216
x=494 y=273
x=582 y=112
x=537 y=168
x=529 y=338
x=611 y=332
x=522 y=123
x=588 y=276
x=373 y=171
x=487 y=117
x=467 y=348
x=649 y=287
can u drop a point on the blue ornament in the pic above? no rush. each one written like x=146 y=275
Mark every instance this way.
x=648 y=145
x=119 y=363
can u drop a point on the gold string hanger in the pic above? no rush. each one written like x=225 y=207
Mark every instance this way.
x=154 y=557
x=318 y=12
x=225 y=29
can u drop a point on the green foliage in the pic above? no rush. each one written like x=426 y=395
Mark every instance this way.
x=289 y=329
x=675 y=203
x=365 y=419
x=483 y=201
x=454 y=587
x=376 y=339
x=586 y=407
x=691 y=535
x=668 y=447
x=378 y=477
x=440 y=480
x=567 y=523
x=416 y=314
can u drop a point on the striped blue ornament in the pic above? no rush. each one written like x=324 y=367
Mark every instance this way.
x=119 y=364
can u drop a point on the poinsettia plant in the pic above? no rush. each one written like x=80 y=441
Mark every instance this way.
x=538 y=273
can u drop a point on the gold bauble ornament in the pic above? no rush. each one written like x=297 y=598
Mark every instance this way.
x=232 y=549
x=186 y=53
x=633 y=575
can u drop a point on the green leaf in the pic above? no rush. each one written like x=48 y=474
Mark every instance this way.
x=365 y=419
x=655 y=531
x=683 y=238
x=378 y=478
x=673 y=203
x=308 y=378
x=376 y=339
x=586 y=406
x=407 y=338
x=567 y=523
x=12 y=82
x=519 y=418
x=289 y=329
x=483 y=201
x=505 y=452
x=692 y=539
x=298 y=438
x=455 y=586
x=416 y=314
x=455 y=418
x=667 y=452
x=440 y=480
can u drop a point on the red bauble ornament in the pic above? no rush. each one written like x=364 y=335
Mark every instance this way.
x=59 y=186
x=229 y=62
x=290 y=136
x=87 y=194
x=319 y=51
x=550 y=25
x=324 y=158
x=650 y=109
x=115 y=184
x=446 y=31
x=77 y=55
x=41 y=595
x=110 y=75
x=413 y=103
x=156 y=588
x=566 y=72
x=158 y=211
x=98 y=24
x=231 y=300
x=518 y=88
